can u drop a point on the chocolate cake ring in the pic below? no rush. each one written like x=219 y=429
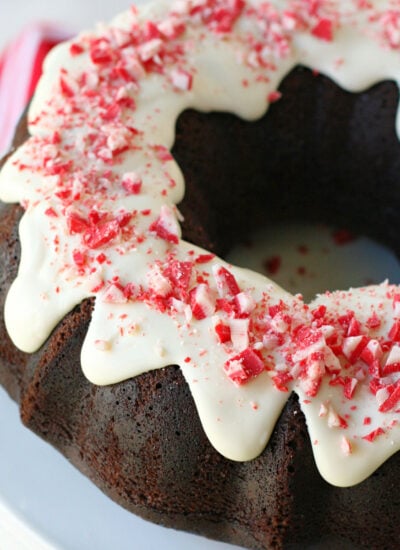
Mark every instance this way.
x=142 y=440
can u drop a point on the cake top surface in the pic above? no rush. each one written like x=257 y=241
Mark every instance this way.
x=99 y=187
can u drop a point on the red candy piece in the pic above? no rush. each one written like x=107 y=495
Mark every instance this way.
x=201 y=302
x=76 y=224
x=165 y=226
x=244 y=366
x=373 y=435
x=393 y=399
x=223 y=332
x=180 y=273
x=323 y=30
x=394 y=333
x=99 y=235
x=226 y=282
x=281 y=380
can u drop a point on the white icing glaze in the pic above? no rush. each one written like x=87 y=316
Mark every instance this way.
x=84 y=234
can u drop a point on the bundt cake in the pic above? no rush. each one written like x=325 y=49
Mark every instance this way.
x=197 y=394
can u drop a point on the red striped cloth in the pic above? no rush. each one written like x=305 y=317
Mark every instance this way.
x=20 y=68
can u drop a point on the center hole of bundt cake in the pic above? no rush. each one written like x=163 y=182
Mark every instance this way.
x=309 y=259
x=321 y=156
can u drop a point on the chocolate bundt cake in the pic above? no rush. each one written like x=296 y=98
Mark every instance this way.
x=196 y=394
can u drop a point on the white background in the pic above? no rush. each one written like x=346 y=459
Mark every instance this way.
x=74 y=14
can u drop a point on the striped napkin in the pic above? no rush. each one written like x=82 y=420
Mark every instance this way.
x=20 y=68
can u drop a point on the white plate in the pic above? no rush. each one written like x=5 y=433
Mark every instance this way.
x=46 y=504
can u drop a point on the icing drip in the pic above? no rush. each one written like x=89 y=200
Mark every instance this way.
x=99 y=188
